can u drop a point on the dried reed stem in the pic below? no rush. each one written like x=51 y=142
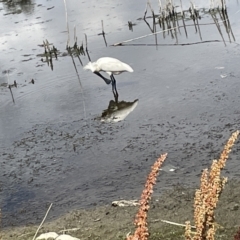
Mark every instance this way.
x=42 y=221
x=141 y=232
x=9 y=86
x=178 y=224
x=65 y=5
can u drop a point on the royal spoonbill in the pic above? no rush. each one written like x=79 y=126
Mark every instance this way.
x=111 y=66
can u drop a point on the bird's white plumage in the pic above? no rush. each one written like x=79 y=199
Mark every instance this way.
x=108 y=65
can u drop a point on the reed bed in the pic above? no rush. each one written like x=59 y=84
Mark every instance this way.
x=170 y=19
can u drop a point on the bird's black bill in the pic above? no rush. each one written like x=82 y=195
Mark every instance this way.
x=107 y=81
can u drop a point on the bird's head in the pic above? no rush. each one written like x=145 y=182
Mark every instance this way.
x=90 y=66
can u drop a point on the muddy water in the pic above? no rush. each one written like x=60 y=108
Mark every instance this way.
x=52 y=147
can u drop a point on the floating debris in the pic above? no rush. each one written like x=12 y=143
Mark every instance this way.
x=125 y=203
x=168 y=168
x=130 y=26
x=53 y=235
x=47 y=236
x=223 y=75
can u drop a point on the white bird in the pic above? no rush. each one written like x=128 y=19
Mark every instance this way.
x=111 y=66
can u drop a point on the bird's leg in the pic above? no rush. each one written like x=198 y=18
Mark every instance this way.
x=115 y=94
x=107 y=81
x=116 y=98
x=114 y=88
x=113 y=83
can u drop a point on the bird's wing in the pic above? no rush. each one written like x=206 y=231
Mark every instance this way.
x=115 y=66
x=112 y=67
x=110 y=64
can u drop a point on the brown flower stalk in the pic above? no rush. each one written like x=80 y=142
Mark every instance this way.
x=188 y=231
x=141 y=232
x=207 y=196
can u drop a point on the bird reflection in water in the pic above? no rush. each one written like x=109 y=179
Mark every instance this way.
x=118 y=111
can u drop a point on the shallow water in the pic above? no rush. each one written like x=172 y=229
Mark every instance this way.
x=52 y=147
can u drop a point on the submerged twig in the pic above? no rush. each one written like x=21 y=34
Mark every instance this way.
x=145 y=13
x=103 y=33
x=130 y=26
x=174 y=25
x=74 y=64
x=182 y=15
x=199 y=31
x=79 y=80
x=226 y=22
x=9 y=86
x=191 y=10
x=11 y=93
x=218 y=26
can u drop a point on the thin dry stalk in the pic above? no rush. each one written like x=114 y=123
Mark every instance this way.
x=160 y=5
x=10 y=88
x=144 y=36
x=192 y=10
x=103 y=34
x=75 y=35
x=80 y=83
x=86 y=49
x=178 y=224
x=145 y=13
x=65 y=5
x=141 y=231
x=42 y=221
x=214 y=17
